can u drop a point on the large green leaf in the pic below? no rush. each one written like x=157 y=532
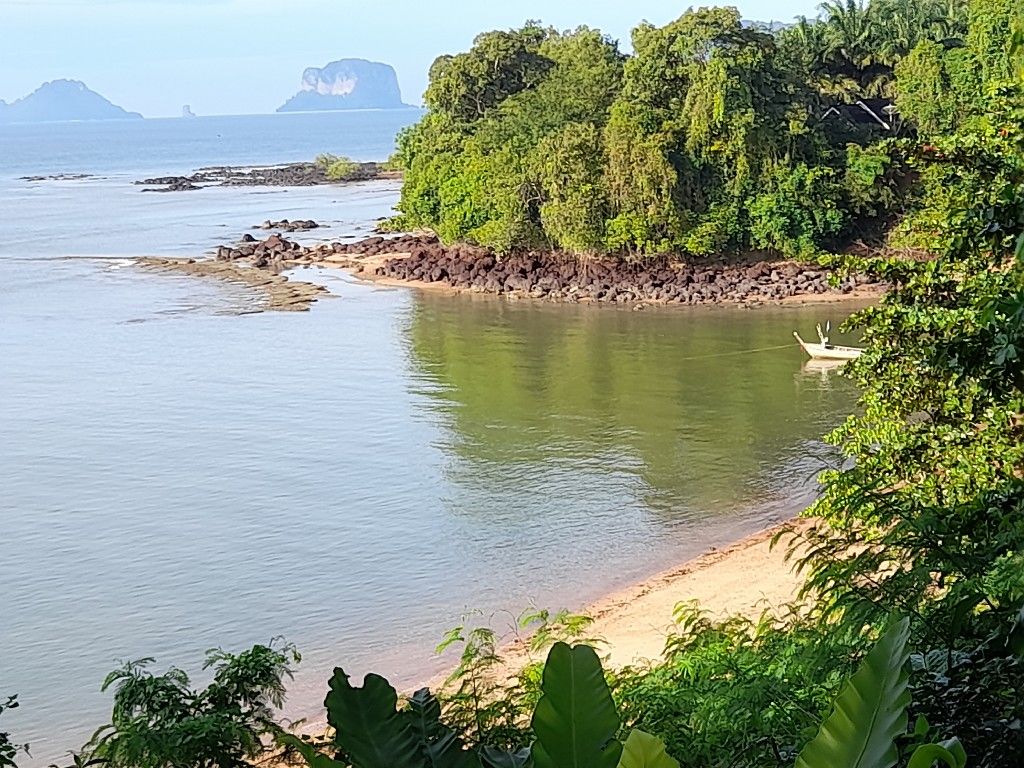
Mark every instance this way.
x=368 y=725
x=424 y=715
x=642 y=750
x=441 y=746
x=449 y=751
x=870 y=712
x=575 y=720
x=950 y=752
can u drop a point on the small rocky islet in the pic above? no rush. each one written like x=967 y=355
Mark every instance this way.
x=284 y=225
x=290 y=175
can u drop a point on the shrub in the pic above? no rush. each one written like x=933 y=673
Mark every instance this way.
x=338 y=168
x=798 y=214
x=8 y=749
x=160 y=721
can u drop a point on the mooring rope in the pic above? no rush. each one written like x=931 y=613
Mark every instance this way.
x=735 y=352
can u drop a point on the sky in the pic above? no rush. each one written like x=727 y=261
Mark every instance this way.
x=247 y=56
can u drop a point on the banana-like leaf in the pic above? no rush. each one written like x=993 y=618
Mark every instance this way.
x=368 y=725
x=449 y=751
x=575 y=720
x=308 y=752
x=950 y=752
x=642 y=750
x=442 y=747
x=424 y=715
x=870 y=712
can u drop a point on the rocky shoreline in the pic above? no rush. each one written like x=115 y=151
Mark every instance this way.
x=561 y=277
x=291 y=175
x=422 y=260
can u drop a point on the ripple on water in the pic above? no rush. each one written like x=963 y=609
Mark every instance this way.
x=358 y=476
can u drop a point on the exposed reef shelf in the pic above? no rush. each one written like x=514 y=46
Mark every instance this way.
x=270 y=291
x=291 y=175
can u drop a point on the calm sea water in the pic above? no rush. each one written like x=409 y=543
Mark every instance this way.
x=174 y=477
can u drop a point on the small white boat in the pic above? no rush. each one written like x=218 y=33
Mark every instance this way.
x=826 y=351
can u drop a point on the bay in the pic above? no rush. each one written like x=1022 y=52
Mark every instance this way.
x=175 y=477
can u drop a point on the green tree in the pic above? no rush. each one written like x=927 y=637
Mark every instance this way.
x=933 y=499
x=569 y=169
x=701 y=113
x=500 y=64
x=797 y=211
x=989 y=36
x=928 y=94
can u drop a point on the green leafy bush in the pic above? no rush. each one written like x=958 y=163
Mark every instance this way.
x=160 y=721
x=798 y=213
x=753 y=690
x=338 y=168
x=576 y=724
x=873 y=179
x=8 y=749
x=979 y=696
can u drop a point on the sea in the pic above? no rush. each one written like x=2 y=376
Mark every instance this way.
x=176 y=476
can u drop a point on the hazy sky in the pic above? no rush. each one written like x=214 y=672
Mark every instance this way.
x=246 y=56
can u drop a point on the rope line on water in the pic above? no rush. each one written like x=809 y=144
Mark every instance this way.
x=735 y=352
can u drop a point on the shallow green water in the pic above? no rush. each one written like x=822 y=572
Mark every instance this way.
x=700 y=406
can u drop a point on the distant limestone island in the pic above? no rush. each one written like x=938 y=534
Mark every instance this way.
x=347 y=84
x=61 y=100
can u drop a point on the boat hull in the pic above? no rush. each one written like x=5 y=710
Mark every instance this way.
x=828 y=351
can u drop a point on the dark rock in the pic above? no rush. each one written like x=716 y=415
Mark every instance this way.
x=553 y=276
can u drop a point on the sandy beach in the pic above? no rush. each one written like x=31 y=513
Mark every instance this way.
x=745 y=578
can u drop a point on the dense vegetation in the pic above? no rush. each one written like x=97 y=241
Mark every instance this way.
x=709 y=136
x=713 y=135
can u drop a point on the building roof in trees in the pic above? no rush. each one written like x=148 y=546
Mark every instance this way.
x=873 y=112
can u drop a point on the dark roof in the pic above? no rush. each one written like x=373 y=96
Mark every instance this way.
x=873 y=112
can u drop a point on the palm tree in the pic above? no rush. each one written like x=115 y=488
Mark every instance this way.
x=848 y=31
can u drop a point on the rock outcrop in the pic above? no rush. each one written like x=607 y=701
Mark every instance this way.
x=562 y=277
x=423 y=259
x=347 y=84
x=291 y=175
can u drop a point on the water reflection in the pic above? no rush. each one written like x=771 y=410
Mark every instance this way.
x=196 y=480
x=689 y=414
x=823 y=367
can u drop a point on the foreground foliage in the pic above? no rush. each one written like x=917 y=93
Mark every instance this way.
x=160 y=721
x=8 y=749
x=575 y=723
